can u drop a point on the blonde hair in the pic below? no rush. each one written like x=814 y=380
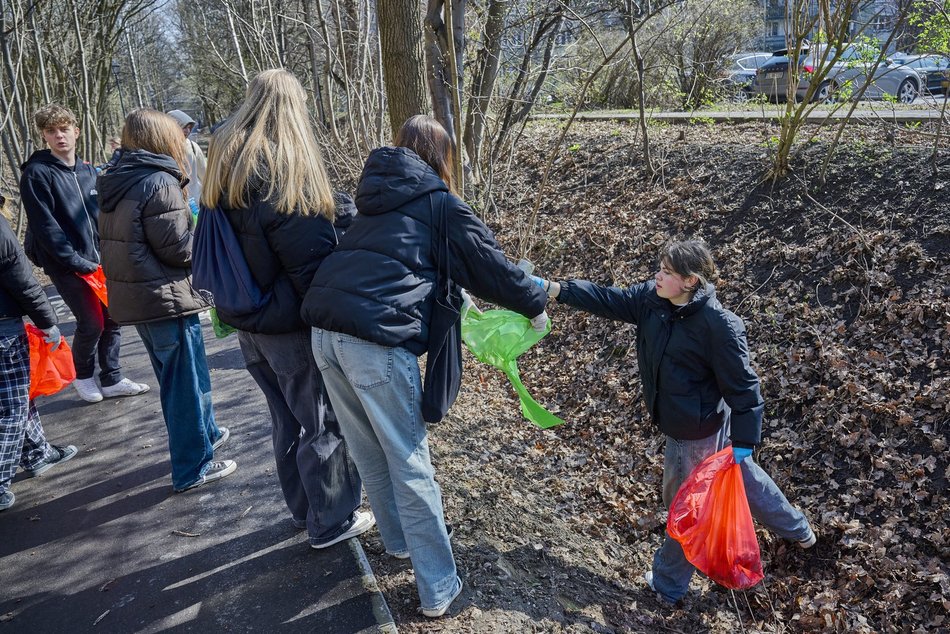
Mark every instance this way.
x=155 y=132
x=52 y=116
x=269 y=139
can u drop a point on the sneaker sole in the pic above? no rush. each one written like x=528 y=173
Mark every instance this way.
x=352 y=532
x=32 y=473
x=223 y=439
x=205 y=479
x=120 y=395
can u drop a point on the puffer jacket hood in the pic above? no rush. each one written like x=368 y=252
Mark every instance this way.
x=132 y=168
x=379 y=282
x=393 y=177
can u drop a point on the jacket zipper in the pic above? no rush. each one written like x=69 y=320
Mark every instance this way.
x=82 y=199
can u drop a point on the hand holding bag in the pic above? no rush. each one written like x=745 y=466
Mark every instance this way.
x=50 y=370
x=444 y=357
x=711 y=520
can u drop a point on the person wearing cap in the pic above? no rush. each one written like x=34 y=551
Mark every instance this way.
x=22 y=440
x=196 y=158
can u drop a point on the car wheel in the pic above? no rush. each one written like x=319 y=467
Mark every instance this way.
x=907 y=92
x=824 y=94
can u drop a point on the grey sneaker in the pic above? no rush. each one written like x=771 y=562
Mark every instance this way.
x=216 y=471
x=362 y=522
x=62 y=454
x=125 y=387
x=7 y=500
x=88 y=390
x=225 y=434
x=436 y=612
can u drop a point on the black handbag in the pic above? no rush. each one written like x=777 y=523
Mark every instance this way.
x=444 y=357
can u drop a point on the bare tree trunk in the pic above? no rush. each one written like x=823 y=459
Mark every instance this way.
x=237 y=44
x=483 y=84
x=135 y=71
x=641 y=106
x=400 y=22
x=44 y=83
x=315 y=68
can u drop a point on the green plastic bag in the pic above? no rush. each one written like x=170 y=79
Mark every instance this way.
x=221 y=329
x=498 y=338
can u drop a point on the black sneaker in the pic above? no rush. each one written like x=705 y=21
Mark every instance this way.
x=216 y=471
x=61 y=454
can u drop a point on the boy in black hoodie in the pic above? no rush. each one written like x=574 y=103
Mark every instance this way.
x=22 y=441
x=62 y=236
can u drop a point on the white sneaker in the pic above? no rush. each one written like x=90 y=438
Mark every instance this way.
x=125 y=387
x=809 y=541
x=362 y=522
x=88 y=390
x=225 y=434
x=216 y=471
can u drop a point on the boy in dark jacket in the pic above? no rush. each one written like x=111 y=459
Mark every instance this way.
x=62 y=236
x=22 y=441
x=699 y=387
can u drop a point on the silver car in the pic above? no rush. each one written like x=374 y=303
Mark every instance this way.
x=845 y=77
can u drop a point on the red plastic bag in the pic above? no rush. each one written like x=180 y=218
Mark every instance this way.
x=97 y=281
x=50 y=370
x=711 y=520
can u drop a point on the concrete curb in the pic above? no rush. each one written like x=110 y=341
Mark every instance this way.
x=387 y=625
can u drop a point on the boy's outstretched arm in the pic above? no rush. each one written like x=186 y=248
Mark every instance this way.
x=611 y=302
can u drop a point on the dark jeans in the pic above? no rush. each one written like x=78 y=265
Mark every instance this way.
x=96 y=332
x=317 y=476
x=176 y=348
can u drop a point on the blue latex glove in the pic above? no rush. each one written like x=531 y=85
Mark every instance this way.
x=740 y=453
x=544 y=284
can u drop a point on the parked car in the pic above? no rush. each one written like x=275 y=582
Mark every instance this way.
x=933 y=69
x=740 y=71
x=845 y=77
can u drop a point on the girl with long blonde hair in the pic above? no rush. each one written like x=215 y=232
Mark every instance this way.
x=146 y=232
x=266 y=175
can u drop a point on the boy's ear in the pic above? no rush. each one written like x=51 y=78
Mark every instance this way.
x=692 y=282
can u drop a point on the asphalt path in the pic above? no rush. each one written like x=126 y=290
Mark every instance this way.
x=102 y=544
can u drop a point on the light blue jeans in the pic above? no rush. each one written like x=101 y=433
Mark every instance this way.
x=671 y=570
x=376 y=393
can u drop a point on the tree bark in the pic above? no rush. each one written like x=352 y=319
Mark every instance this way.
x=400 y=23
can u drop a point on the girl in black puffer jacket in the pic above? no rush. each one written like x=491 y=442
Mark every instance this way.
x=371 y=303
x=265 y=174
x=698 y=385
x=146 y=232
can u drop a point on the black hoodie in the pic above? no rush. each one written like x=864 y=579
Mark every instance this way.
x=62 y=211
x=378 y=283
x=147 y=233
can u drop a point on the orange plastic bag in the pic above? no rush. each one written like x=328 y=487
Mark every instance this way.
x=50 y=370
x=711 y=520
x=97 y=281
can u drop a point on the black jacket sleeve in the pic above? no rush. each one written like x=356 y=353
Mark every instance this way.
x=300 y=243
x=619 y=304
x=478 y=264
x=728 y=354
x=18 y=282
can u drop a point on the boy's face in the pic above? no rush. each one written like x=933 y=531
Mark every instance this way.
x=61 y=139
x=673 y=286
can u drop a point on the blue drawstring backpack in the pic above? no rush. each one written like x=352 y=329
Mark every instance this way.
x=219 y=267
